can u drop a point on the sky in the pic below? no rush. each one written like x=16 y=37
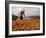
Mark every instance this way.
x=29 y=11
